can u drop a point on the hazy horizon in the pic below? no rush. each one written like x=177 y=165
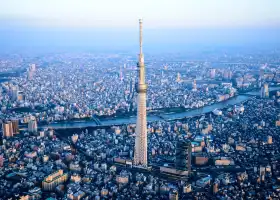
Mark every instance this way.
x=14 y=38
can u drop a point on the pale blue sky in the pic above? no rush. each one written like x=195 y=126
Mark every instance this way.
x=155 y=13
x=169 y=25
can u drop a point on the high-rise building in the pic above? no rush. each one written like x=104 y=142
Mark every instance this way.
x=15 y=126
x=7 y=128
x=14 y=93
x=32 y=126
x=30 y=71
x=261 y=74
x=183 y=156
x=212 y=73
x=121 y=74
x=230 y=74
x=140 y=154
x=194 y=86
x=178 y=79
x=29 y=74
x=262 y=92
x=266 y=90
x=262 y=173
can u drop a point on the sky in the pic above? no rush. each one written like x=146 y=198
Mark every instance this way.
x=107 y=22
x=156 y=13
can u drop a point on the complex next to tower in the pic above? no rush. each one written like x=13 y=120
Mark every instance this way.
x=140 y=153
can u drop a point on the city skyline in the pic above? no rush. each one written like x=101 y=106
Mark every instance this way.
x=84 y=117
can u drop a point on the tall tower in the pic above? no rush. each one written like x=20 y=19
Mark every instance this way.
x=140 y=154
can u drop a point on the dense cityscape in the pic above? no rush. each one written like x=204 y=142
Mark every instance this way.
x=96 y=126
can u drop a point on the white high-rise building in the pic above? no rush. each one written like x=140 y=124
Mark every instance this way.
x=212 y=73
x=32 y=126
x=140 y=153
x=14 y=93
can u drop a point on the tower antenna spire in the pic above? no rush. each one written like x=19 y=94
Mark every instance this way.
x=140 y=35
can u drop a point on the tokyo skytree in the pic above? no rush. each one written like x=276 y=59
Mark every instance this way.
x=140 y=153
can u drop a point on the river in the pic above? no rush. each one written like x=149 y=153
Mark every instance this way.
x=165 y=116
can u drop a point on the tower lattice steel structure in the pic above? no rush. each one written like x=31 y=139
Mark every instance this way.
x=140 y=153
